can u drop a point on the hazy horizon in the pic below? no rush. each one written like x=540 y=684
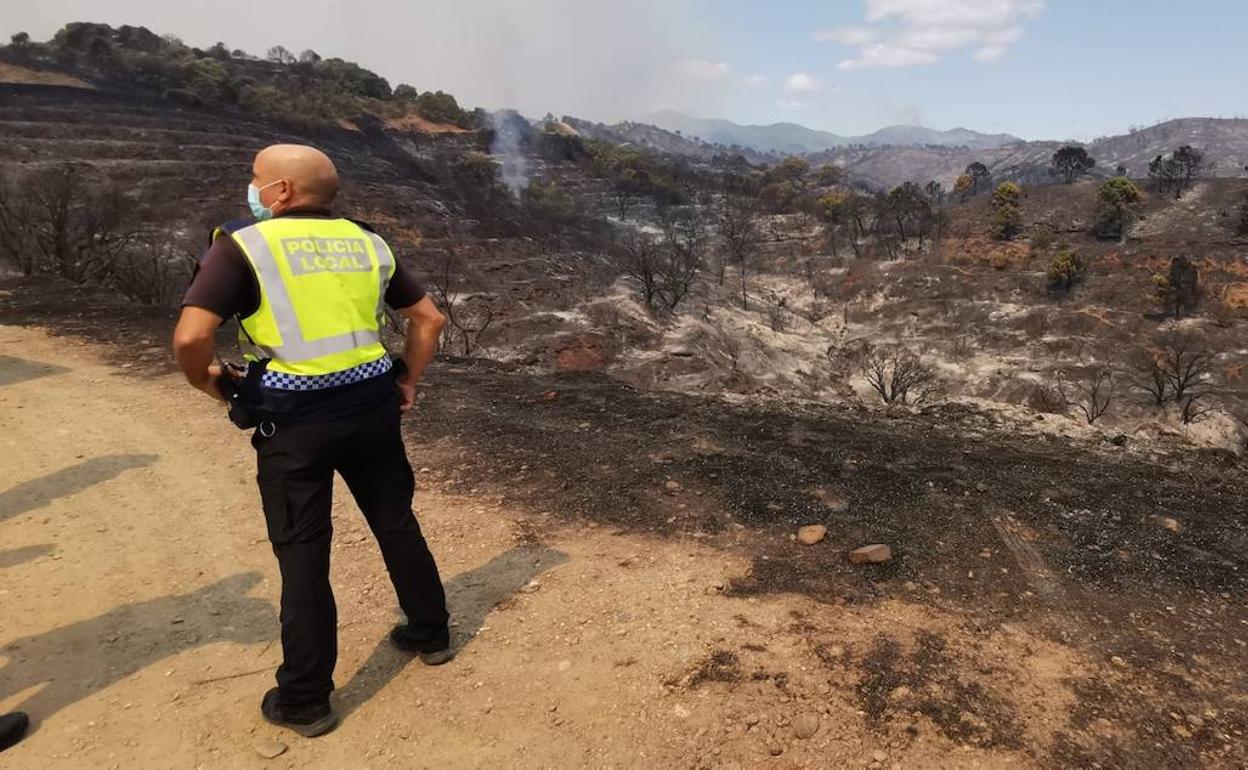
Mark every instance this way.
x=1037 y=69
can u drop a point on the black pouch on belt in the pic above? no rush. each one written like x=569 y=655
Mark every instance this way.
x=398 y=366
x=243 y=394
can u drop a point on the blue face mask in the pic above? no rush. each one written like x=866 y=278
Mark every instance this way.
x=258 y=210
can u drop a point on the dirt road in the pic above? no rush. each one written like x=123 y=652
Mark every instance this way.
x=138 y=596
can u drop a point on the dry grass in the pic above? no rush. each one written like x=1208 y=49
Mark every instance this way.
x=1235 y=296
x=12 y=73
x=414 y=122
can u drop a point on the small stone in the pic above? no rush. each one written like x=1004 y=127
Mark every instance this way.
x=773 y=506
x=426 y=469
x=1171 y=524
x=1117 y=661
x=871 y=554
x=752 y=719
x=680 y=711
x=811 y=534
x=531 y=587
x=775 y=749
x=271 y=749
x=980 y=487
x=806 y=725
x=1195 y=721
x=672 y=485
x=879 y=755
x=565 y=665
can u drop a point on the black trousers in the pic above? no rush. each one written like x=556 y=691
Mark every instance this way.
x=295 y=473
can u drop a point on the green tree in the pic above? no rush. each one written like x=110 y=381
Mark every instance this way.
x=780 y=197
x=1071 y=161
x=206 y=78
x=1117 y=204
x=1178 y=290
x=829 y=175
x=962 y=187
x=980 y=176
x=439 y=107
x=791 y=171
x=1064 y=272
x=834 y=213
x=1007 y=218
x=548 y=204
x=263 y=100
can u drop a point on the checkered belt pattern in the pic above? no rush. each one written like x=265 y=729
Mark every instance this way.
x=283 y=381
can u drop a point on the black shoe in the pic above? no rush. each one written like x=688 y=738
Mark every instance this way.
x=308 y=721
x=431 y=653
x=12 y=728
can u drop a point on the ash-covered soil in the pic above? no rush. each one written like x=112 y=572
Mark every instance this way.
x=1135 y=558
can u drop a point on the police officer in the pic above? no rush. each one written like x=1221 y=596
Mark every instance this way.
x=309 y=289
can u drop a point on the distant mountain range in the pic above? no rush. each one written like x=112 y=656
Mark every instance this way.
x=792 y=138
x=898 y=154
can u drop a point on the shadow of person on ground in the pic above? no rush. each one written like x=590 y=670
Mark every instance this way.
x=470 y=596
x=74 y=661
x=14 y=370
x=39 y=492
x=16 y=556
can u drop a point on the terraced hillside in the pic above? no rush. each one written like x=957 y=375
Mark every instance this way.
x=179 y=159
x=183 y=169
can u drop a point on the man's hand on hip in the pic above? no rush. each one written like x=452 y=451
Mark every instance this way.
x=407 y=395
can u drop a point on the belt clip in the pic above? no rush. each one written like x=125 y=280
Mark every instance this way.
x=267 y=429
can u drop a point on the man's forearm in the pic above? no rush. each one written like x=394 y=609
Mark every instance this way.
x=194 y=357
x=419 y=348
x=194 y=344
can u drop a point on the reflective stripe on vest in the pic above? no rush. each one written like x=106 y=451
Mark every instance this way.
x=316 y=264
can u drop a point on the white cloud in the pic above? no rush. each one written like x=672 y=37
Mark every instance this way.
x=846 y=35
x=802 y=83
x=905 y=33
x=756 y=81
x=701 y=71
x=791 y=105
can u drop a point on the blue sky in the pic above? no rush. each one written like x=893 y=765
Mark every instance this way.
x=1079 y=68
x=1035 y=68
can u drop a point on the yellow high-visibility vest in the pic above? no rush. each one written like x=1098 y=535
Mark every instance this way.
x=322 y=293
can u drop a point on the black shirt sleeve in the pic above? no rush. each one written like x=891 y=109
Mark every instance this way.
x=223 y=282
x=403 y=290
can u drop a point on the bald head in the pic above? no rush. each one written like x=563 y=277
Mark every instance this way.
x=306 y=175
